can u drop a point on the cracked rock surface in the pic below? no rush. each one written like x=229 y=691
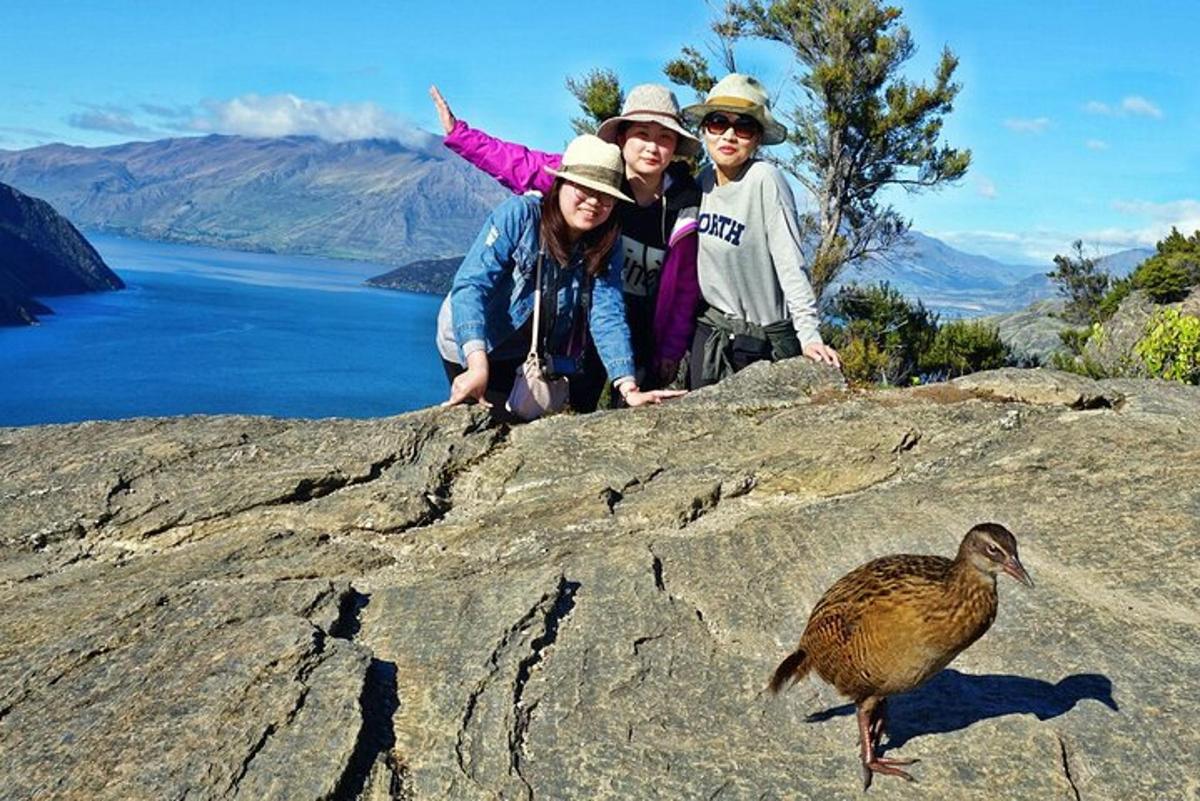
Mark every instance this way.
x=433 y=606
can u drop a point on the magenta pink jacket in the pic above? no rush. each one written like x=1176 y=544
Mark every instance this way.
x=520 y=169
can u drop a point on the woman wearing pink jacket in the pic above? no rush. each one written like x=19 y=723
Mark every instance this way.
x=658 y=231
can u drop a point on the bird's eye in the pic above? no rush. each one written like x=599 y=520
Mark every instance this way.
x=992 y=550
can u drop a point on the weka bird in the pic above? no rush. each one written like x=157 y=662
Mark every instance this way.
x=891 y=624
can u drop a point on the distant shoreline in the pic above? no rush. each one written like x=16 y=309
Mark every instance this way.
x=365 y=270
x=93 y=232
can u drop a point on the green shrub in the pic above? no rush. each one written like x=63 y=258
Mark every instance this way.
x=1168 y=278
x=864 y=363
x=1117 y=292
x=1172 y=271
x=880 y=333
x=1075 y=339
x=1083 y=364
x=965 y=346
x=1171 y=347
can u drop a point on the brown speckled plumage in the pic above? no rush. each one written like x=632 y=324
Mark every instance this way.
x=891 y=624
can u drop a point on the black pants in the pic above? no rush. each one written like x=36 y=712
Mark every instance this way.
x=744 y=352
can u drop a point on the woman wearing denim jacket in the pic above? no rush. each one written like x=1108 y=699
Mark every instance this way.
x=484 y=328
x=658 y=229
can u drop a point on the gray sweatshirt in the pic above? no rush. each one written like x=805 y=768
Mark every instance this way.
x=750 y=265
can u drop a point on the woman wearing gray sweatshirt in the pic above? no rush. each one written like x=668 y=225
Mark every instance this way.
x=758 y=302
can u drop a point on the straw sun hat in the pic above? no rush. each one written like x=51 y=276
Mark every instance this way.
x=652 y=102
x=740 y=94
x=590 y=161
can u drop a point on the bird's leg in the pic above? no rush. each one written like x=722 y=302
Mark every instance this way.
x=870 y=725
x=878 y=724
x=878 y=729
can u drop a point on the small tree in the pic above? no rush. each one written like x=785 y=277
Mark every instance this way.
x=859 y=126
x=600 y=97
x=1082 y=282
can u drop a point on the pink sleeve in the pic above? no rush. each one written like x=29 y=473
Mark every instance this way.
x=515 y=166
x=678 y=297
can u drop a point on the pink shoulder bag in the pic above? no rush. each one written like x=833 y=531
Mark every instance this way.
x=534 y=394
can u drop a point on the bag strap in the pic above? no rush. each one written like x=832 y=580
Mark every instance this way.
x=537 y=309
x=583 y=327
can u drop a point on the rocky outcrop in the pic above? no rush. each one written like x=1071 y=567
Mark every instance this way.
x=435 y=606
x=1032 y=333
x=1113 y=350
x=42 y=254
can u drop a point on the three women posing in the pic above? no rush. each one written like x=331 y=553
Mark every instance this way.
x=734 y=261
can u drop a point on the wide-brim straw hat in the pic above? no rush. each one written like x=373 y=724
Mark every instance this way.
x=652 y=102
x=590 y=161
x=740 y=94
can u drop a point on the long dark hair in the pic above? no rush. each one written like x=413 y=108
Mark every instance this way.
x=596 y=244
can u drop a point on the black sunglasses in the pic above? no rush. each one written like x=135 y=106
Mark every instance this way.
x=743 y=127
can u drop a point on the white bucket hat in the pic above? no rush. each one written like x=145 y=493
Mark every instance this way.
x=590 y=161
x=740 y=94
x=652 y=102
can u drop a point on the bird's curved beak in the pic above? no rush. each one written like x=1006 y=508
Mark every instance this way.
x=1014 y=568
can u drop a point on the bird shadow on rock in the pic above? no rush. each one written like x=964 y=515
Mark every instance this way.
x=951 y=701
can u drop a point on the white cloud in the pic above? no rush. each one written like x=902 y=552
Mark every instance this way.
x=288 y=115
x=1141 y=107
x=1159 y=219
x=1096 y=144
x=1037 y=247
x=1040 y=246
x=1148 y=223
x=1022 y=125
x=985 y=187
x=1135 y=105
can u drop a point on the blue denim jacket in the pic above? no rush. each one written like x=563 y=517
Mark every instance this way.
x=492 y=296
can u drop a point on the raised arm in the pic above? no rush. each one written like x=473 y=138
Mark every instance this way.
x=515 y=166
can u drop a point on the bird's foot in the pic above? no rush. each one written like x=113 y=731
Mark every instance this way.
x=887 y=767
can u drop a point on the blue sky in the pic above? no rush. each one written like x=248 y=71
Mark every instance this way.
x=1083 y=117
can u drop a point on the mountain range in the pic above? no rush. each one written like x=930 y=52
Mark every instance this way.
x=959 y=284
x=410 y=204
x=372 y=199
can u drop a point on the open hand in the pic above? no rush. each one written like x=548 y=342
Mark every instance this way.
x=468 y=386
x=655 y=396
x=445 y=115
x=822 y=354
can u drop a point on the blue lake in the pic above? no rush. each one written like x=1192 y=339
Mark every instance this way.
x=207 y=331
